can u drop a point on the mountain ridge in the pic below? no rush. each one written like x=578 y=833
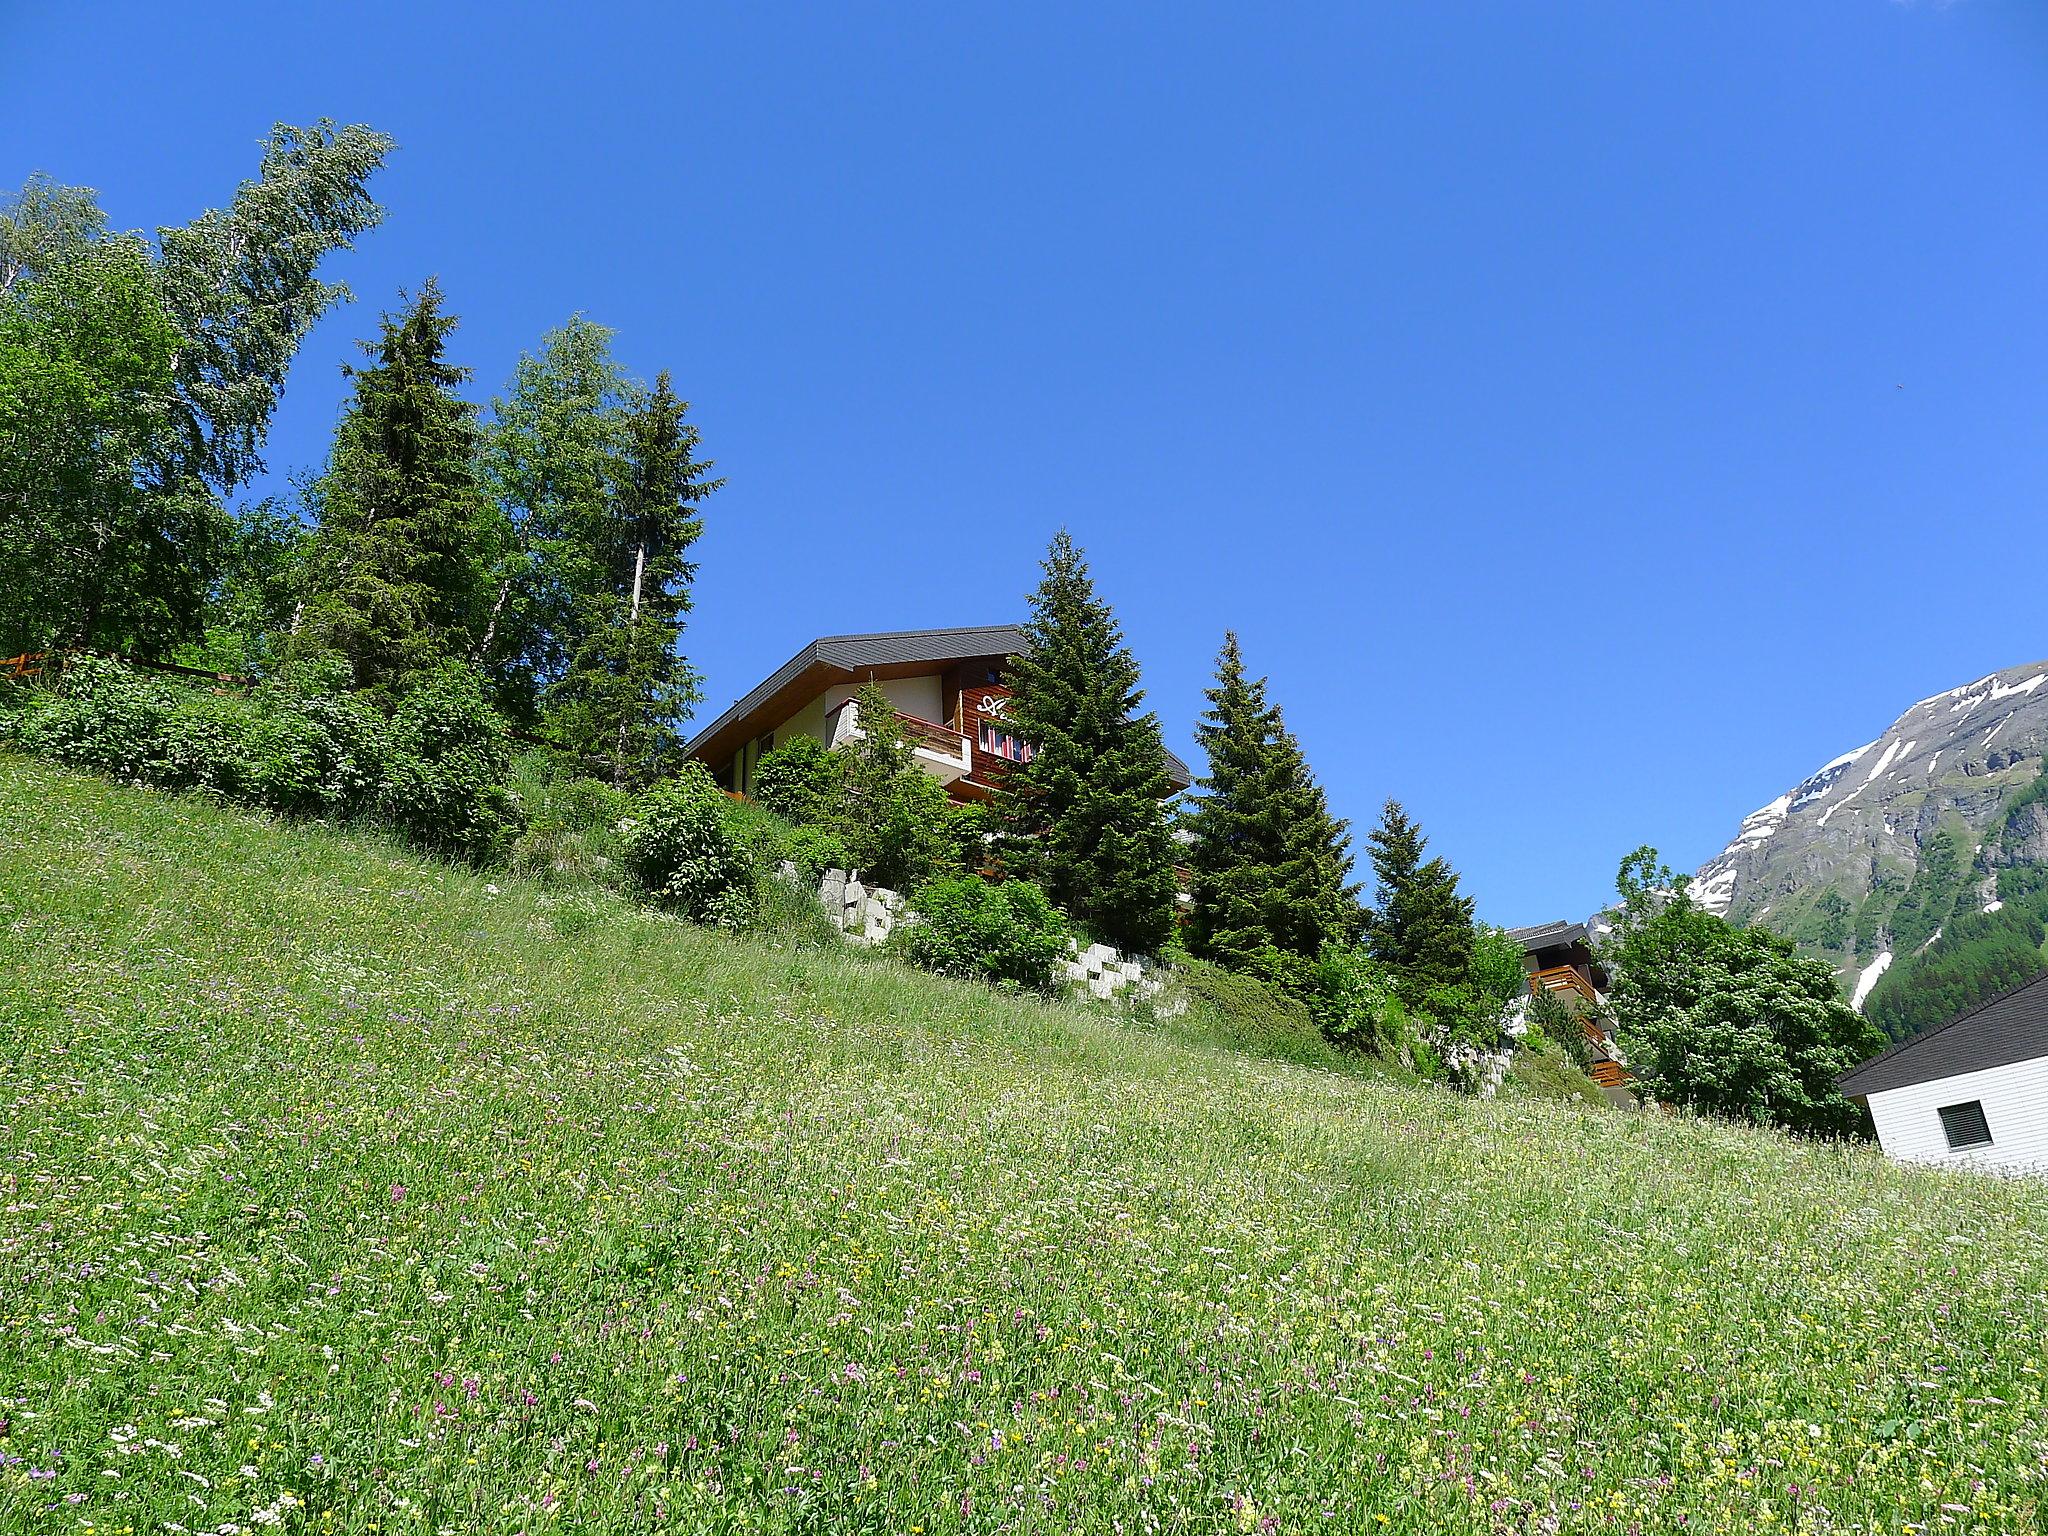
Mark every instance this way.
x=1865 y=859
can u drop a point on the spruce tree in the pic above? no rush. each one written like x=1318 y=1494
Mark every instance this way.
x=627 y=688
x=394 y=578
x=1270 y=862
x=1421 y=928
x=1086 y=817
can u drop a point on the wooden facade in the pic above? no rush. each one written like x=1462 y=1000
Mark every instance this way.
x=1560 y=960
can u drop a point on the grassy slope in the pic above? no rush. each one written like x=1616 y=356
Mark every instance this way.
x=337 y=1187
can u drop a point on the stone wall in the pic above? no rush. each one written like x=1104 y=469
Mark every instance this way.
x=868 y=914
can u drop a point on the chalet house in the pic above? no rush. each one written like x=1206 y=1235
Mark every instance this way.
x=1559 y=958
x=946 y=684
x=1972 y=1091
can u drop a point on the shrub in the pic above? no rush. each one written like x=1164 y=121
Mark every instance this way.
x=1356 y=1005
x=571 y=824
x=801 y=780
x=968 y=926
x=1563 y=1025
x=318 y=749
x=684 y=849
x=207 y=741
x=105 y=717
x=444 y=781
x=1253 y=1015
x=813 y=850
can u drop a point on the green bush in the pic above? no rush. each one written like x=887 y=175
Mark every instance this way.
x=105 y=717
x=1249 y=1014
x=1563 y=1025
x=207 y=740
x=301 y=746
x=801 y=781
x=1356 y=1005
x=685 y=849
x=444 y=781
x=571 y=823
x=813 y=850
x=1006 y=933
x=318 y=750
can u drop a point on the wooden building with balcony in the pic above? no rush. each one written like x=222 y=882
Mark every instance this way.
x=947 y=687
x=1560 y=960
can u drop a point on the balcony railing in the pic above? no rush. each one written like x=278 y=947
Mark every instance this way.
x=1564 y=978
x=944 y=753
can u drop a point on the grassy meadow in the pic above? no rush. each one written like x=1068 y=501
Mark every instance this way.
x=342 y=1191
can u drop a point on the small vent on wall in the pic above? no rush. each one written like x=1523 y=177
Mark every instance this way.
x=1965 y=1125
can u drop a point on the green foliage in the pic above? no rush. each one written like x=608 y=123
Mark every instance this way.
x=1421 y=928
x=106 y=535
x=109 y=719
x=257 y=582
x=1254 y=1015
x=1944 y=878
x=319 y=748
x=1563 y=1024
x=1874 y=912
x=869 y=805
x=1005 y=932
x=626 y=688
x=571 y=823
x=136 y=387
x=1732 y=1021
x=1498 y=971
x=1271 y=864
x=1978 y=955
x=42 y=225
x=813 y=850
x=686 y=850
x=393 y=576
x=1357 y=1005
x=240 y=285
x=802 y=780
x=444 y=778
x=1086 y=817
x=301 y=746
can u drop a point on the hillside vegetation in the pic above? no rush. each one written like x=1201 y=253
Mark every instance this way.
x=346 y=1192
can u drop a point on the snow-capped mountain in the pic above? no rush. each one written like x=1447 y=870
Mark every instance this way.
x=1829 y=861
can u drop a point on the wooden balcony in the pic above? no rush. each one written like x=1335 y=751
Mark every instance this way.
x=944 y=753
x=1564 y=978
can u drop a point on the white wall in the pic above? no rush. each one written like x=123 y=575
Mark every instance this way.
x=919 y=696
x=2015 y=1100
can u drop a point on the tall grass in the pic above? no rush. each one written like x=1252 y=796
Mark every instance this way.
x=341 y=1191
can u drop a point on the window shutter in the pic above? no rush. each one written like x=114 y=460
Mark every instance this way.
x=1965 y=1125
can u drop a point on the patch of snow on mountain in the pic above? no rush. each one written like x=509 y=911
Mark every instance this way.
x=1867 y=978
x=1994 y=906
x=1845 y=759
x=1758 y=825
x=1715 y=888
x=1995 y=730
x=1883 y=763
x=2001 y=691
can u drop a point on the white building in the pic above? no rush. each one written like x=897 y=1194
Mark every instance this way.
x=1973 y=1091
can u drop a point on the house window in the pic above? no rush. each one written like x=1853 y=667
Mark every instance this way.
x=1965 y=1125
x=998 y=742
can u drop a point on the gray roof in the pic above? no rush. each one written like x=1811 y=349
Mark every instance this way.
x=2013 y=1026
x=1546 y=935
x=905 y=647
x=855 y=653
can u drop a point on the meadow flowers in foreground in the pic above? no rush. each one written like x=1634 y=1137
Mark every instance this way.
x=344 y=1194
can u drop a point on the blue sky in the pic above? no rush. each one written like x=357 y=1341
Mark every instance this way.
x=1592 y=417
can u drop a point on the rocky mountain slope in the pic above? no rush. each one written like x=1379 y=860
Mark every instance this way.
x=1863 y=860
